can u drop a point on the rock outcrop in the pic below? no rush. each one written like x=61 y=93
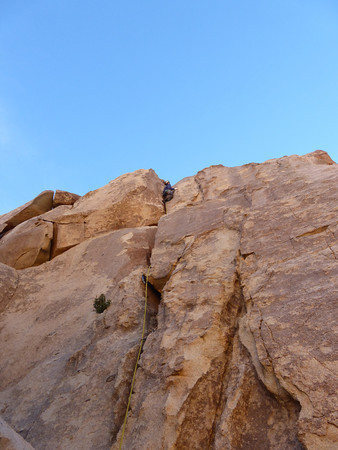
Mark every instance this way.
x=239 y=349
x=133 y=199
x=64 y=198
x=39 y=205
x=57 y=390
x=27 y=245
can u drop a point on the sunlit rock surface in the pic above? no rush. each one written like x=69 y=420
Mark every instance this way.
x=239 y=349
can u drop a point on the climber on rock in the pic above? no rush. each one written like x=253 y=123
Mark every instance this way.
x=144 y=281
x=168 y=192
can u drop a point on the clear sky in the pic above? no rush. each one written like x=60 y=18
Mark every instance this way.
x=90 y=90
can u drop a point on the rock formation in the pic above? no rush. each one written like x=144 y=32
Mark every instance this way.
x=239 y=349
x=40 y=204
x=10 y=440
x=64 y=198
x=130 y=200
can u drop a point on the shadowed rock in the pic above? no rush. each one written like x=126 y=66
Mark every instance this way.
x=10 y=440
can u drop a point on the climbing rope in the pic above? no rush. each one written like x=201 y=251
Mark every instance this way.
x=137 y=360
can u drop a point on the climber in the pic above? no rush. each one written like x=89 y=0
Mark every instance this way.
x=144 y=281
x=167 y=194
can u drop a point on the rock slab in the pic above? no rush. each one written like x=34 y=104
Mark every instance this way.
x=64 y=198
x=243 y=355
x=132 y=200
x=239 y=350
x=39 y=205
x=69 y=361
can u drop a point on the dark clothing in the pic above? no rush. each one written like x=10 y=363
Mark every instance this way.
x=168 y=193
x=167 y=186
x=144 y=281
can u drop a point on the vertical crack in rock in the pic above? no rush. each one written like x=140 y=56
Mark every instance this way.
x=123 y=378
x=53 y=241
x=284 y=407
x=193 y=377
x=153 y=302
x=213 y=385
x=237 y=300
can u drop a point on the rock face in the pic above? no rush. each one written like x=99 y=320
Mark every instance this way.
x=27 y=245
x=10 y=440
x=64 y=198
x=40 y=204
x=57 y=392
x=133 y=199
x=239 y=350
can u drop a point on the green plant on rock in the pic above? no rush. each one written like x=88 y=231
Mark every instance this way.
x=101 y=304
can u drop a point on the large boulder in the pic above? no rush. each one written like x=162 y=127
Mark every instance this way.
x=188 y=379
x=251 y=179
x=27 y=245
x=131 y=200
x=64 y=198
x=30 y=243
x=61 y=362
x=39 y=205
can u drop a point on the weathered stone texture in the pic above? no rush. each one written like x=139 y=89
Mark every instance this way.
x=64 y=198
x=57 y=385
x=240 y=326
x=8 y=284
x=27 y=245
x=131 y=200
x=10 y=440
x=230 y=258
x=40 y=204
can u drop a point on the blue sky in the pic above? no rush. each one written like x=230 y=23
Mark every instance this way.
x=90 y=90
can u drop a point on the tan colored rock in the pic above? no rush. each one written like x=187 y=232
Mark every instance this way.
x=8 y=284
x=240 y=349
x=64 y=198
x=131 y=200
x=182 y=393
x=39 y=205
x=30 y=243
x=252 y=417
x=252 y=247
x=27 y=245
x=243 y=181
x=10 y=440
x=60 y=361
x=289 y=274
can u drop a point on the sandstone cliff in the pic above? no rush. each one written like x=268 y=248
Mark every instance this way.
x=240 y=325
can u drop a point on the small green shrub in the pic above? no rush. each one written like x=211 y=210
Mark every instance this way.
x=101 y=304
